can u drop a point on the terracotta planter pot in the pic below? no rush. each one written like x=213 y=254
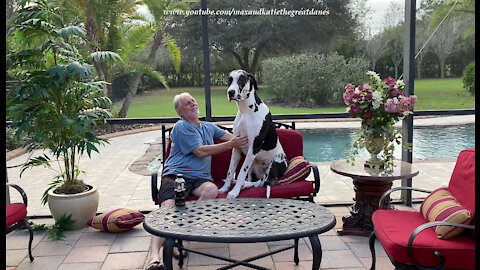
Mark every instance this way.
x=83 y=206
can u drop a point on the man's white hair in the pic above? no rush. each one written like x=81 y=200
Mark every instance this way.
x=177 y=100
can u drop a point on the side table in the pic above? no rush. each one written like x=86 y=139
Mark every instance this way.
x=369 y=186
x=240 y=221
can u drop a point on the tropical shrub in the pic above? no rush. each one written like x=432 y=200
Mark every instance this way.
x=312 y=79
x=55 y=101
x=469 y=78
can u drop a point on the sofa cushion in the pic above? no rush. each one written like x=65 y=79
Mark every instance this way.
x=298 y=169
x=462 y=181
x=296 y=189
x=394 y=227
x=15 y=212
x=440 y=205
x=118 y=220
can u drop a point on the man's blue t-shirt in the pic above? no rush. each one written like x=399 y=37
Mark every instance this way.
x=186 y=137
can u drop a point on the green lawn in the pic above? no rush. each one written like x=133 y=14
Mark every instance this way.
x=433 y=94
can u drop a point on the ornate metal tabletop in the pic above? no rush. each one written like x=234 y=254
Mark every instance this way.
x=240 y=220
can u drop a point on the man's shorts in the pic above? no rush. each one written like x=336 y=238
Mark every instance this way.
x=168 y=183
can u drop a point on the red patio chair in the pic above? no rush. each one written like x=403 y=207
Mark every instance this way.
x=15 y=216
x=411 y=242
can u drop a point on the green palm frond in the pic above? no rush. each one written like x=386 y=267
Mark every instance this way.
x=79 y=71
x=173 y=51
x=136 y=39
x=72 y=31
x=105 y=56
x=148 y=70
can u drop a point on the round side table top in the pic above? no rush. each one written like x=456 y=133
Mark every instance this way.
x=402 y=170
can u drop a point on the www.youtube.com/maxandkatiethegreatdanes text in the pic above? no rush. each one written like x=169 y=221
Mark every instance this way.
x=249 y=12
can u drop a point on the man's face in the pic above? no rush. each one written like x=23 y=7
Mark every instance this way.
x=189 y=109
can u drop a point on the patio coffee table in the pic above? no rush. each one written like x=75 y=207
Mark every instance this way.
x=240 y=221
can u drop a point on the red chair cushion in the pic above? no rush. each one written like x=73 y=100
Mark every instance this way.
x=15 y=212
x=394 y=227
x=462 y=182
x=296 y=189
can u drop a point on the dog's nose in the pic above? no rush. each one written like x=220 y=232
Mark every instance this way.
x=231 y=93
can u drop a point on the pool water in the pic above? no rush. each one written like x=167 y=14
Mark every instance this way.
x=429 y=142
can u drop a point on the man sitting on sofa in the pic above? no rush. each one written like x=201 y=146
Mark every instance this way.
x=190 y=155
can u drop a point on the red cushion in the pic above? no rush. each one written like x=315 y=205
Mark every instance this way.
x=15 y=212
x=462 y=182
x=394 y=227
x=117 y=220
x=291 y=141
x=296 y=189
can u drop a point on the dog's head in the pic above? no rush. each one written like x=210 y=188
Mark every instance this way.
x=241 y=85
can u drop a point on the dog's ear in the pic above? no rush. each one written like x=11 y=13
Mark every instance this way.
x=253 y=81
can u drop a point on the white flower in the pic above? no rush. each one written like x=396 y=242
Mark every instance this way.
x=399 y=84
x=377 y=99
x=375 y=75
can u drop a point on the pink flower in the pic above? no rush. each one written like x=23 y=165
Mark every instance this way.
x=390 y=82
x=367 y=114
x=366 y=87
x=348 y=94
x=355 y=109
x=392 y=105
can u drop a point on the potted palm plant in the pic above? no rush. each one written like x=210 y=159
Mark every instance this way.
x=56 y=103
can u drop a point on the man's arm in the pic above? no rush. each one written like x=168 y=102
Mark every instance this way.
x=230 y=142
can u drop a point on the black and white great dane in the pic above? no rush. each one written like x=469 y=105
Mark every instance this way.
x=265 y=160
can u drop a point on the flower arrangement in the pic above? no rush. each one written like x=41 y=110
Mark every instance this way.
x=380 y=105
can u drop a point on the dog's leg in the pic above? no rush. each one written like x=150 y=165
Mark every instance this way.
x=236 y=154
x=247 y=164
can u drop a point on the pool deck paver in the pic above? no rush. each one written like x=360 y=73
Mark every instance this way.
x=88 y=248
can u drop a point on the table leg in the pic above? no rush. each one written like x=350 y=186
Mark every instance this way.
x=168 y=253
x=316 y=251
x=180 y=249
x=367 y=196
x=295 y=254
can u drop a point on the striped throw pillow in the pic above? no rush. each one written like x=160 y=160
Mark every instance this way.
x=298 y=169
x=441 y=205
x=118 y=220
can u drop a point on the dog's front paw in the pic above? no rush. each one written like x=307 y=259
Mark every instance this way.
x=224 y=188
x=232 y=194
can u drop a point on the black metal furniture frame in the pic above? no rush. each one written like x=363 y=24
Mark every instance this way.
x=23 y=223
x=240 y=221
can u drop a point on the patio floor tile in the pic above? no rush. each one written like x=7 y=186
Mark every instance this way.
x=41 y=263
x=304 y=254
x=131 y=260
x=340 y=259
x=197 y=259
x=53 y=248
x=97 y=238
x=130 y=244
x=80 y=266
x=87 y=254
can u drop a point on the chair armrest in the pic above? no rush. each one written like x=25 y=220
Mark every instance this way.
x=436 y=253
x=380 y=202
x=154 y=187
x=21 y=191
x=316 y=177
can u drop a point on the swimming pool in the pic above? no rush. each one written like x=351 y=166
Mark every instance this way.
x=428 y=142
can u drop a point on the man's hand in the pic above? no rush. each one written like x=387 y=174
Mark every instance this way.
x=239 y=142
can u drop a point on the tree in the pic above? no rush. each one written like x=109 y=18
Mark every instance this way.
x=421 y=36
x=156 y=8
x=394 y=37
x=443 y=43
x=249 y=37
x=460 y=8
x=373 y=49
